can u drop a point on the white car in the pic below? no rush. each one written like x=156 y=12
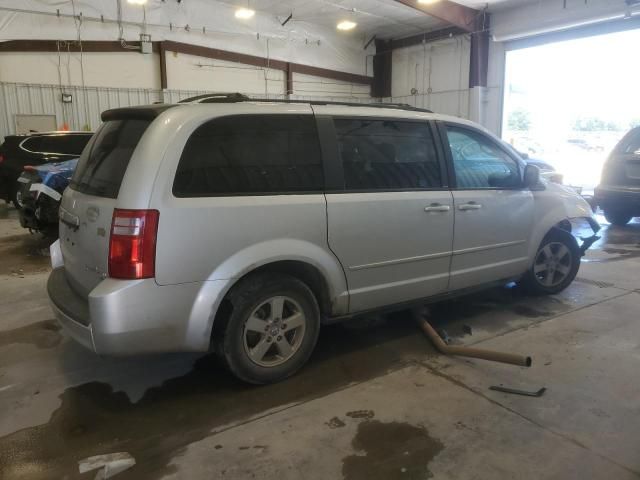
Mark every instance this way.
x=243 y=225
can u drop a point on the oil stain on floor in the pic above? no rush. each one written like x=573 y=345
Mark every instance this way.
x=390 y=451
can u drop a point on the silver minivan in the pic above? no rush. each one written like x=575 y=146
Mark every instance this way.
x=242 y=225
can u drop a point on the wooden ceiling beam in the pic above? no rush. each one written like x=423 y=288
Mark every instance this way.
x=453 y=13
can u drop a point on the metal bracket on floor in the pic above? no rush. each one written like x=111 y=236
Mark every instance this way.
x=515 y=391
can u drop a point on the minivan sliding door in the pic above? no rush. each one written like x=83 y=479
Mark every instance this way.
x=390 y=220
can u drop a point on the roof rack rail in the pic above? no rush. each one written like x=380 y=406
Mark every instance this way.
x=240 y=97
x=217 y=98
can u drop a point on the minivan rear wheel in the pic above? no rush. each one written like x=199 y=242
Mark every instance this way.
x=616 y=217
x=555 y=265
x=272 y=329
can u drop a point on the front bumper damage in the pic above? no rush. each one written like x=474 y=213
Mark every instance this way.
x=581 y=228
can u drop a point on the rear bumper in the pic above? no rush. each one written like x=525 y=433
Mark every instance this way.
x=70 y=309
x=129 y=317
x=618 y=197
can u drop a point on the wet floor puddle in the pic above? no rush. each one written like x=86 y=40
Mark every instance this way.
x=24 y=254
x=94 y=419
x=390 y=451
x=45 y=334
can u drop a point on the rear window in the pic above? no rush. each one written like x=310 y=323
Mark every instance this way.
x=251 y=154
x=103 y=164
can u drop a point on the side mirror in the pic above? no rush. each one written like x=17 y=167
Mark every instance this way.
x=531 y=176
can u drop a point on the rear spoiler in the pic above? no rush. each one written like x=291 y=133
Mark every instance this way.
x=146 y=112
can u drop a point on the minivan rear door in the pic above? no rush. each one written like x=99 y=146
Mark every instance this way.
x=87 y=205
x=389 y=210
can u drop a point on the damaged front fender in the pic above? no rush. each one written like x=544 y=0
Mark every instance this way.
x=586 y=230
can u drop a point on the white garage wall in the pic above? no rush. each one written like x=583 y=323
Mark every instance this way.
x=115 y=70
x=191 y=72
x=307 y=85
x=263 y=35
x=438 y=71
x=83 y=113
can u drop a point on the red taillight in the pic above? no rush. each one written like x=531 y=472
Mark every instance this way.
x=29 y=168
x=132 y=245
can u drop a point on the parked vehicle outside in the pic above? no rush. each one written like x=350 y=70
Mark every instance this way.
x=619 y=191
x=39 y=193
x=34 y=149
x=243 y=225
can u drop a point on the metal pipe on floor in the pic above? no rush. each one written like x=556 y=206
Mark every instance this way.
x=442 y=347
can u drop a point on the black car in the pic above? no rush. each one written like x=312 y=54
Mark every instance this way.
x=619 y=191
x=17 y=151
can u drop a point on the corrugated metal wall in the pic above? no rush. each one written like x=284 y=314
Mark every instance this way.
x=83 y=113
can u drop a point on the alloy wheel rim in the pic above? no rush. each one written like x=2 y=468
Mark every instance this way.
x=553 y=264
x=273 y=332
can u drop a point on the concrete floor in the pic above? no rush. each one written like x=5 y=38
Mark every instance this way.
x=375 y=402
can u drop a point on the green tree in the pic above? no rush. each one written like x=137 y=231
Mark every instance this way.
x=589 y=124
x=519 y=120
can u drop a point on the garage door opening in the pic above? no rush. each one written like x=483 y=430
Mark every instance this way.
x=568 y=103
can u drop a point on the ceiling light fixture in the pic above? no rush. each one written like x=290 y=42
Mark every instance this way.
x=346 y=25
x=137 y=2
x=245 y=13
x=428 y=2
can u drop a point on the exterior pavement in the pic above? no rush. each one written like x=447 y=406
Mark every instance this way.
x=375 y=402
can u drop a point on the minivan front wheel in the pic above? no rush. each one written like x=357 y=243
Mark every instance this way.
x=272 y=329
x=555 y=265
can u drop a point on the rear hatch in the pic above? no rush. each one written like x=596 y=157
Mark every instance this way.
x=623 y=167
x=87 y=205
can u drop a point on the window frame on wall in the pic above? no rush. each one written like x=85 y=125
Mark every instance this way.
x=442 y=129
x=318 y=152
x=334 y=168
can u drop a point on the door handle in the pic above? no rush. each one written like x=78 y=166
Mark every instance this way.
x=437 y=207
x=470 y=206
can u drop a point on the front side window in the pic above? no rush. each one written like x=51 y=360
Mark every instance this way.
x=387 y=154
x=479 y=163
x=251 y=154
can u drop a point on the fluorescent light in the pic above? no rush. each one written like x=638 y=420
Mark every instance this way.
x=428 y=2
x=346 y=25
x=245 y=13
x=137 y=2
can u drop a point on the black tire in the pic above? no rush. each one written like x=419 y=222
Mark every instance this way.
x=254 y=293
x=616 y=217
x=549 y=280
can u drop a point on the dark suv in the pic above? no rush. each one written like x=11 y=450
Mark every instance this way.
x=619 y=191
x=35 y=149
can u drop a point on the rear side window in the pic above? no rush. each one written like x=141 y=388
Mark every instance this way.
x=251 y=154
x=102 y=166
x=33 y=144
x=64 y=144
x=387 y=154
